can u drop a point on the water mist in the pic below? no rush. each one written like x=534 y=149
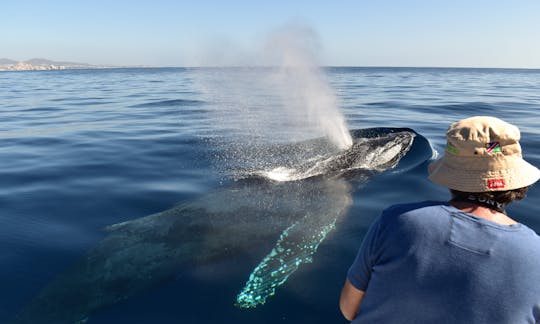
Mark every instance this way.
x=302 y=85
x=280 y=95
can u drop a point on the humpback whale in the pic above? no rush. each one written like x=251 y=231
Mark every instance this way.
x=293 y=212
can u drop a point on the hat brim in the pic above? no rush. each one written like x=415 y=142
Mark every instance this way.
x=520 y=174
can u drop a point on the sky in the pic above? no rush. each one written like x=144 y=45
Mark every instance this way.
x=444 y=33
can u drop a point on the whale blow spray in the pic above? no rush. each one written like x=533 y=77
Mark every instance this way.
x=280 y=94
x=302 y=84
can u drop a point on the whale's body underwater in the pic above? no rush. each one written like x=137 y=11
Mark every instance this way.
x=298 y=211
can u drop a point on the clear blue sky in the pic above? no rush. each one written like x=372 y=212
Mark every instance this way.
x=461 y=33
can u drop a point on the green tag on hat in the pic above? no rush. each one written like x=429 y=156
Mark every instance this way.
x=451 y=149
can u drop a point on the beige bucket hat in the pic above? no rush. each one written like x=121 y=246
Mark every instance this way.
x=483 y=154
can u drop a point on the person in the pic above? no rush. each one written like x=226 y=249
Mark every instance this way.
x=462 y=261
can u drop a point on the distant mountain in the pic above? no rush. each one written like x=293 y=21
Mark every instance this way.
x=5 y=61
x=38 y=64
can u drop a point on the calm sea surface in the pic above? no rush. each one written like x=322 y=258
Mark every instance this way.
x=81 y=150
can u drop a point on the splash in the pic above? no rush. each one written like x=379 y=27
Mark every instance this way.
x=302 y=84
x=282 y=96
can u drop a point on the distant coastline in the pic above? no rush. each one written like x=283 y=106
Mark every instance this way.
x=40 y=64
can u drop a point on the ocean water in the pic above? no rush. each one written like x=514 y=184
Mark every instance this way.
x=81 y=150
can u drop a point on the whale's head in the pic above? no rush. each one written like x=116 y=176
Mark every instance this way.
x=376 y=153
x=372 y=151
x=367 y=154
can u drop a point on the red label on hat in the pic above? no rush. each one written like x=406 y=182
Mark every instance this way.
x=495 y=183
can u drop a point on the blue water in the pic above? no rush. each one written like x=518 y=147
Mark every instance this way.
x=81 y=150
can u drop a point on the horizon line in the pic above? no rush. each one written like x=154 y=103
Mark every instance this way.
x=266 y=66
x=323 y=66
x=91 y=66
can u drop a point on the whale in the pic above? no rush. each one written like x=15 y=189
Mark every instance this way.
x=288 y=209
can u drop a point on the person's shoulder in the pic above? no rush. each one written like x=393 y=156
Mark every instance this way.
x=531 y=237
x=416 y=216
x=522 y=244
x=416 y=212
x=399 y=209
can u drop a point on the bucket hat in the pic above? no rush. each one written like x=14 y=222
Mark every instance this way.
x=482 y=154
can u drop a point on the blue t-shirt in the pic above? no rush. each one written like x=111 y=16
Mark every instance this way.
x=432 y=263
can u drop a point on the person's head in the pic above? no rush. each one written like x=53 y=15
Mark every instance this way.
x=483 y=160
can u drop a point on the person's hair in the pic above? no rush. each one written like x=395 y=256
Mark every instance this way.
x=503 y=197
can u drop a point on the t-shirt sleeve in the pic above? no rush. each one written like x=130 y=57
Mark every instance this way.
x=360 y=271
